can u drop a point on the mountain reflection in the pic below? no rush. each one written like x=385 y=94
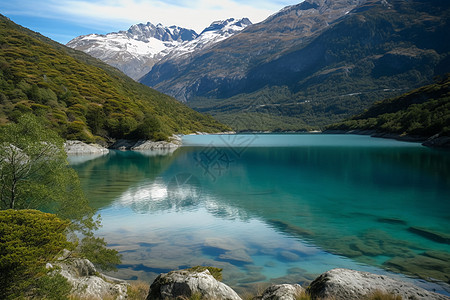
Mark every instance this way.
x=107 y=177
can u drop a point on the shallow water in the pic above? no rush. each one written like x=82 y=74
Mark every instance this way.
x=279 y=208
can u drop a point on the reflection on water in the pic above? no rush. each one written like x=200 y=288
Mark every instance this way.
x=276 y=213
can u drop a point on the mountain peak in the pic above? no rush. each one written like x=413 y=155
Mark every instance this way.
x=144 y=32
x=216 y=32
x=230 y=24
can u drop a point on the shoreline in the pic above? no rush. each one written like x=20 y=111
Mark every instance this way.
x=74 y=147
x=435 y=141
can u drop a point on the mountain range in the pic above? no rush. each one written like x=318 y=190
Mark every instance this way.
x=136 y=50
x=304 y=67
x=312 y=64
x=82 y=97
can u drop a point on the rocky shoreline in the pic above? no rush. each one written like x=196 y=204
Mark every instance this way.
x=436 y=141
x=201 y=283
x=81 y=148
x=142 y=145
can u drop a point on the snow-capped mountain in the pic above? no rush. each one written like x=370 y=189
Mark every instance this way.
x=136 y=50
x=216 y=32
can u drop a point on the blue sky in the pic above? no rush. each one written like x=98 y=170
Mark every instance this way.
x=62 y=20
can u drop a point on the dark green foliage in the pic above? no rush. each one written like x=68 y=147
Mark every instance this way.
x=52 y=287
x=95 y=250
x=28 y=240
x=82 y=97
x=423 y=112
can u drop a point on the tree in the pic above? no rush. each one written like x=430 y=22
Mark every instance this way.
x=35 y=174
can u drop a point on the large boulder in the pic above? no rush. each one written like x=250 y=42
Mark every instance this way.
x=186 y=283
x=282 y=292
x=80 y=148
x=87 y=283
x=140 y=145
x=349 y=284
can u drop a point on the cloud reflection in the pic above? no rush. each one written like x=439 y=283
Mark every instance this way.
x=181 y=192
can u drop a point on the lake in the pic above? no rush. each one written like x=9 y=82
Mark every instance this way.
x=276 y=207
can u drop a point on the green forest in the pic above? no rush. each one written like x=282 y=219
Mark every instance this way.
x=80 y=96
x=423 y=112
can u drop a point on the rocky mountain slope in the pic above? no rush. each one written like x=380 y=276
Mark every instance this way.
x=313 y=63
x=136 y=50
x=82 y=97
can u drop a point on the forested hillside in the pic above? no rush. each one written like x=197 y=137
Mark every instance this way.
x=423 y=112
x=82 y=97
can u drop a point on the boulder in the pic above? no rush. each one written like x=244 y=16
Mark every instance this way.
x=438 y=142
x=349 y=284
x=141 y=145
x=87 y=283
x=282 y=292
x=186 y=283
x=80 y=148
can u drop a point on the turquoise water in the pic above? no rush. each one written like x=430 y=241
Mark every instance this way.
x=279 y=208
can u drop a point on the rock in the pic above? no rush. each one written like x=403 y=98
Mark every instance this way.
x=185 y=283
x=239 y=255
x=349 y=284
x=87 y=283
x=291 y=229
x=432 y=235
x=438 y=142
x=144 y=145
x=289 y=256
x=223 y=243
x=393 y=221
x=432 y=265
x=79 y=148
x=282 y=292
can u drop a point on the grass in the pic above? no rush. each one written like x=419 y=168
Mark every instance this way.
x=138 y=290
x=379 y=295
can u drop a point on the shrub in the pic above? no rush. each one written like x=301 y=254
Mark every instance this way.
x=28 y=240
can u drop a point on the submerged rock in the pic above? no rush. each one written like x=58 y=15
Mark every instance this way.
x=186 y=283
x=291 y=229
x=432 y=235
x=431 y=265
x=282 y=292
x=349 y=284
x=239 y=255
x=87 y=283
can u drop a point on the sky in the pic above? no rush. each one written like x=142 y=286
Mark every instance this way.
x=63 y=20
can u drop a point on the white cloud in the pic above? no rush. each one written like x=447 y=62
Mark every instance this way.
x=66 y=19
x=196 y=14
